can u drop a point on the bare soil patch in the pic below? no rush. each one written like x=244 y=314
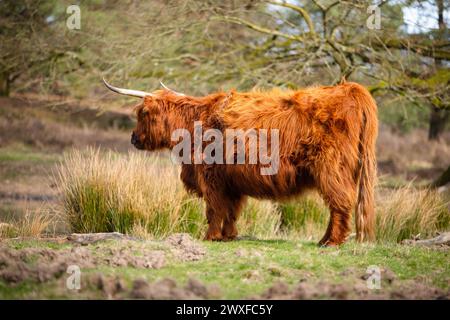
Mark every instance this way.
x=43 y=264
x=356 y=289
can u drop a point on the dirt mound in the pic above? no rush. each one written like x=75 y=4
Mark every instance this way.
x=40 y=264
x=305 y=291
x=355 y=288
x=419 y=291
x=168 y=289
x=136 y=257
x=185 y=247
x=181 y=245
x=111 y=287
x=358 y=290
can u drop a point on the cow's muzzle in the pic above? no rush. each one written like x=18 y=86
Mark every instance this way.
x=136 y=142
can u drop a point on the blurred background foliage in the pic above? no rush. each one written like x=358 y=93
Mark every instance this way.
x=202 y=46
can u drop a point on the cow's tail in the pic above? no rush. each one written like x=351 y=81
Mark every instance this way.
x=366 y=175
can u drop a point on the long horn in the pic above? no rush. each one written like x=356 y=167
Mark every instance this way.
x=165 y=87
x=127 y=92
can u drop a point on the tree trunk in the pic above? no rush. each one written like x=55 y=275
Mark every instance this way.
x=4 y=84
x=438 y=120
x=438 y=117
x=442 y=180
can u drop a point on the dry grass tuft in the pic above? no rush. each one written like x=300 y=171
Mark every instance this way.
x=31 y=225
x=140 y=194
x=408 y=212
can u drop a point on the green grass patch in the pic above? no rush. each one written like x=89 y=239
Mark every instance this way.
x=249 y=267
x=26 y=155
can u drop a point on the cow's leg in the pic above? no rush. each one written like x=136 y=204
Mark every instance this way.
x=215 y=217
x=339 y=191
x=211 y=192
x=217 y=204
x=338 y=227
x=229 y=230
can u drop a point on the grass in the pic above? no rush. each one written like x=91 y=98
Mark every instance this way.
x=410 y=212
x=307 y=217
x=141 y=194
x=290 y=261
x=259 y=264
x=21 y=153
x=19 y=161
x=31 y=225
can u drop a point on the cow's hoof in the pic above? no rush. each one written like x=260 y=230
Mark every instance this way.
x=213 y=237
x=229 y=238
x=329 y=243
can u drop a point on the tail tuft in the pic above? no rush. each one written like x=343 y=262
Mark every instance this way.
x=365 y=211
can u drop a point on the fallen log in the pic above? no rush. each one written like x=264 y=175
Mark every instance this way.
x=89 y=238
x=442 y=239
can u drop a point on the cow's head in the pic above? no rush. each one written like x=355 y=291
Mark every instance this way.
x=152 y=131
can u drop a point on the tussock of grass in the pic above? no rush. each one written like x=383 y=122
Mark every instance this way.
x=141 y=194
x=408 y=212
x=105 y=192
x=401 y=213
x=32 y=225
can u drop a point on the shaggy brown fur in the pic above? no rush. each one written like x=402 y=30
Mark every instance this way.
x=327 y=141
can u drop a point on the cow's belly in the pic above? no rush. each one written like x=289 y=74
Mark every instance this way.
x=248 y=180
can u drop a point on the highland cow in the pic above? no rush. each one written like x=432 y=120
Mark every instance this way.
x=326 y=142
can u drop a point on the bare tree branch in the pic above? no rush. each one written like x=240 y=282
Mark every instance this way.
x=299 y=10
